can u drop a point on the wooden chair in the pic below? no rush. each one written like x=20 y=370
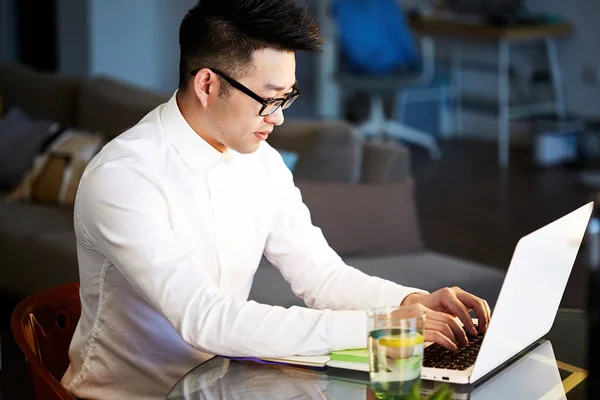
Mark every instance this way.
x=43 y=325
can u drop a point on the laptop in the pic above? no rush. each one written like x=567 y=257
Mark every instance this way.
x=538 y=365
x=526 y=306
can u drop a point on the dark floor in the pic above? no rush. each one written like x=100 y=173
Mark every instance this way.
x=468 y=208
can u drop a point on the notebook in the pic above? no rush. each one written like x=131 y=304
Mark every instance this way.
x=357 y=360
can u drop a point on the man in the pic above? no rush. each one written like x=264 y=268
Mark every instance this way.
x=173 y=216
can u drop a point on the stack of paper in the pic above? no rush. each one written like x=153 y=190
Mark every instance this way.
x=357 y=360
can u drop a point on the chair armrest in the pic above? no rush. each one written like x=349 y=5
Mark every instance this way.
x=385 y=162
x=328 y=150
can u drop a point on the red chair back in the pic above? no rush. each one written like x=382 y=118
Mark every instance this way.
x=43 y=325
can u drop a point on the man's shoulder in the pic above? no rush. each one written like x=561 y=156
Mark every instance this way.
x=141 y=144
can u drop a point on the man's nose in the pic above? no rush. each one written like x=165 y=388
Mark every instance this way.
x=276 y=118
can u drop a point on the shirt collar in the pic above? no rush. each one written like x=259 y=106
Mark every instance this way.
x=197 y=153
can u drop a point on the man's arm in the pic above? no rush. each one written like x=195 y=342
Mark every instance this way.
x=313 y=269
x=122 y=214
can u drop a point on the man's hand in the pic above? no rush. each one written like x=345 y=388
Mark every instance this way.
x=441 y=309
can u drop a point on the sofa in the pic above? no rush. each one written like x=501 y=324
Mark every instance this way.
x=360 y=194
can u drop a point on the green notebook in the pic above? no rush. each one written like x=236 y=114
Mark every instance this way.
x=355 y=356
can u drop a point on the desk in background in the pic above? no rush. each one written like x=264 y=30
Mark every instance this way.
x=459 y=32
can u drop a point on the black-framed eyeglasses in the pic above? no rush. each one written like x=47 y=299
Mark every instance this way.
x=269 y=106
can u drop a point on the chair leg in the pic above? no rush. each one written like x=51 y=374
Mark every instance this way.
x=401 y=102
x=369 y=129
x=374 y=126
x=445 y=115
x=504 y=104
x=377 y=126
x=412 y=135
x=457 y=81
x=557 y=83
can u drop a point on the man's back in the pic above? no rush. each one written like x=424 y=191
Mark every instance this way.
x=121 y=336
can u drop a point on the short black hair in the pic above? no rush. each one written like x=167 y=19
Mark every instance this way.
x=223 y=34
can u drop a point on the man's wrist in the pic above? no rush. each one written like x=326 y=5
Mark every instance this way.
x=412 y=298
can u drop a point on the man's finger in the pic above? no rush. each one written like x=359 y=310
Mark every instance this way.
x=477 y=304
x=456 y=307
x=443 y=328
x=457 y=330
x=489 y=313
x=439 y=338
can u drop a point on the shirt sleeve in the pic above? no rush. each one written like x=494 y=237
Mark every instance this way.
x=122 y=215
x=315 y=271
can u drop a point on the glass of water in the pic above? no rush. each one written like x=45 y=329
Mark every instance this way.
x=395 y=345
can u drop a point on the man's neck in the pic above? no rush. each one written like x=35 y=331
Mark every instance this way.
x=189 y=111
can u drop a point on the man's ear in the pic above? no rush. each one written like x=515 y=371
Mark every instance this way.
x=205 y=85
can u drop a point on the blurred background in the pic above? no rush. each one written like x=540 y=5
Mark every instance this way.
x=430 y=136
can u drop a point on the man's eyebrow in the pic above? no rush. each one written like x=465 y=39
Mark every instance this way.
x=270 y=86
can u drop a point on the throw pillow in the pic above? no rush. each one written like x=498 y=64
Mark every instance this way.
x=364 y=219
x=289 y=158
x=56 y=174
x=21 y=138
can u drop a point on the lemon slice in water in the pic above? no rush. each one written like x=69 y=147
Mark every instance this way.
x=401 y=341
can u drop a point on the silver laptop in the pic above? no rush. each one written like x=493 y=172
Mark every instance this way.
x=527 y=304
x=538 y=365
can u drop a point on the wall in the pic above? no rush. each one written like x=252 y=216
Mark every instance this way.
x=73 y=37
x=137 y=40
x=168 y=18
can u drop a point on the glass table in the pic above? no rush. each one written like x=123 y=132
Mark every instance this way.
x=552 y=368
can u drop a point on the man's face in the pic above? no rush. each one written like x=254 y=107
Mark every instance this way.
x=235 y=119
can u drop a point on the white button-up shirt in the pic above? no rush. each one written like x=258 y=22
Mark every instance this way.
x=169 y=235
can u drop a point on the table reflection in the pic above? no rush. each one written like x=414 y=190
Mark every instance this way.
x=533 y=376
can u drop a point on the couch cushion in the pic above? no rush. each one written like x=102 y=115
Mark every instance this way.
x=364 y=219
x=385 y=162
x=41 y=95
x=327 y=150
x=427 y=270
x=55 y=177
x=21 y=139
x=112 y=106
x=37 y=248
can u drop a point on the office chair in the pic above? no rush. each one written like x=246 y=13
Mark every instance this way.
x=43 y=325
x=387 y=80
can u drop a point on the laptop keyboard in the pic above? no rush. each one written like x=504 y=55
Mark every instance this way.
x=436 y=356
